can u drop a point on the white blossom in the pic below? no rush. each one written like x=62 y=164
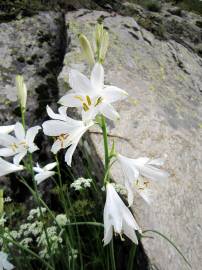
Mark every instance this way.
x=134 y=168
x=7 y=167
x=61 y=219
x=66 y=130
x=20 y=144
x=118 y=217
x=6 y=129
x=4 y=263
x=44 y=173
x=92 y=95
x=81 y=183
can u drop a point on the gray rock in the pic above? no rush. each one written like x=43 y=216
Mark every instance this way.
x=34 y=47
x=162 y=116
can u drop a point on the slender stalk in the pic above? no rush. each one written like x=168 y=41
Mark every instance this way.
x=23 y=116
x=39 y=205
x=106 y=149
x=132 y=257
x=112 y=255
x=28 y=251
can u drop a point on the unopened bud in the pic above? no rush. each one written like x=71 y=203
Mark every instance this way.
x=21 y=91
x=87 y=49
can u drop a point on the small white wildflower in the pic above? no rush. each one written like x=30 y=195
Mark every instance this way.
x=8 y=199
x=14 y=234
x=54 y=240
x=81 y=183
x=44 y=173
x=61 y=219
x=120 y=189
x=36 y=212
x=74 y=254
x=2 y=220
x=26 y=241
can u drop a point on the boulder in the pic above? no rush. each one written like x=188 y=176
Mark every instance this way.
x=162 y=116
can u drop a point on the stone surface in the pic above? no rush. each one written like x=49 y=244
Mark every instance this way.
x=162 y=116
x=33 y=47
x=169 y=23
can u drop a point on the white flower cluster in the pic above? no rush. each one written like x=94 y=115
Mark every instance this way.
x=95 y=100
x=54 y=239
x=36 y=213
x=81 y=183
x=62 y=220
x=73 y=254
x=120 y=189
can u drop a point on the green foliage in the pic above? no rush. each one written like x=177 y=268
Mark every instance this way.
x=153 y=5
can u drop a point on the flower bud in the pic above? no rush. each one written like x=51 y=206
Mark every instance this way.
x=87 y=49
x=21 y=91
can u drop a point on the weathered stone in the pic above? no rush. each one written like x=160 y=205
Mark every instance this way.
x=162 y=116
x=169 y=23
x=33 y=47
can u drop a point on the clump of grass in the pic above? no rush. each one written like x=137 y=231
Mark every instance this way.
x=153 y=5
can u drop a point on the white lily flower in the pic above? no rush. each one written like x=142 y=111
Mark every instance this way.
x=117 y=216
x=92 y=95
x=4 y=263
x=66 y=130
x=6 y=129
x=7 y=167
x=44 y=173
x=19 y=145
x=133 y=168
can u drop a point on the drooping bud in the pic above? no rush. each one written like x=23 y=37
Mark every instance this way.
x=21 y=91
x=87 y=49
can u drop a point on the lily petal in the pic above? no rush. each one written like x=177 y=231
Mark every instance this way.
x=97 y=77
x=17 y=158
x=113 y=93
x=7 y=167
x=79 y=82
x=19 y=131
x=6 y=129
x=72 y=100
x=31 y=134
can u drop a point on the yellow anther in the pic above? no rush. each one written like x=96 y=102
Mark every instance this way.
x=61 y=138
x=98 y=101
x=79 y=98
x=14 y=147
x=88 y=100
x=85 y=107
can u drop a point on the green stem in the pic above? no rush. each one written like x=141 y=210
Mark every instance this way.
x=132 y=257
x=166 y=238
x=112 y=255
x=39 y=205
x=106 y=149
x=23 y=116
x=28 y=251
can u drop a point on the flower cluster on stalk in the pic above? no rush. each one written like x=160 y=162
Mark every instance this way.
x=95 y=101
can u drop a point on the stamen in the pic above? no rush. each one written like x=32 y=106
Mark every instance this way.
x=99 y=100
x=85 y=107
x=88 y=100
x=79 y=98
x=14 y=147
x=61 y=138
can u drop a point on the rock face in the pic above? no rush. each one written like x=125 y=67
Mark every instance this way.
x=33 y=47
x=162 y=116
